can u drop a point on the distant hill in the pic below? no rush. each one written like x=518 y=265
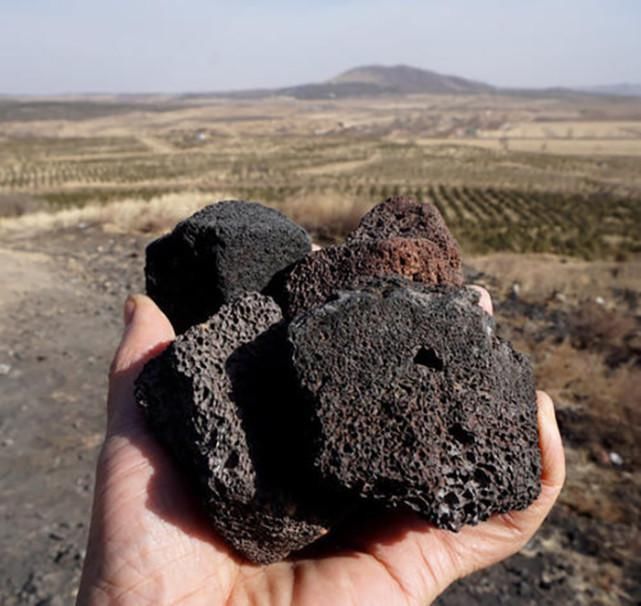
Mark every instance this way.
x=374 y=80
x=383 y=80
x=404 y=79
x=626 y=89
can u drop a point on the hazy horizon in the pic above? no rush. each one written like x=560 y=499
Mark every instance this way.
x=50 y=47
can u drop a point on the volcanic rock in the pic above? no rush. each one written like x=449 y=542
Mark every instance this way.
x=310 y=281
x=219 y=398
x=223 y=250
x=405 y=217
x=418 y=403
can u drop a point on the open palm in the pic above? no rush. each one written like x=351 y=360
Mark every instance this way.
x=151 y=544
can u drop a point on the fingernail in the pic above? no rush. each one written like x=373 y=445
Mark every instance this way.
x=129 y=310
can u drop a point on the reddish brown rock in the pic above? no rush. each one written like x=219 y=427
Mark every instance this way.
x=317 y=276
x=405 y=217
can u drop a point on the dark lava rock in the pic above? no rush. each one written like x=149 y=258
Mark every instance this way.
x=220 y=399
x=223 y=250
x=405 y=217
x=417 y=403
x=310 y=281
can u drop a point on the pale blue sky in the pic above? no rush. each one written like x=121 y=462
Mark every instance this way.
x=61 y=46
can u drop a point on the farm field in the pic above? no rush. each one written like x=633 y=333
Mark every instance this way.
x=543 y=193
x=508 y=173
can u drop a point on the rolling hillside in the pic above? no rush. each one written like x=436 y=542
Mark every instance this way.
x=384 y=80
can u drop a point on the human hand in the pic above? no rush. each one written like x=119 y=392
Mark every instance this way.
x=150 y=543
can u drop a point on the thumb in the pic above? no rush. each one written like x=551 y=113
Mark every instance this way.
x=147 y=333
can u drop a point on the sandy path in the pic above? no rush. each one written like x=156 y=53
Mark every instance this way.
x=22 y=273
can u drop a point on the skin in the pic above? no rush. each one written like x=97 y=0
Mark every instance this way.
x=162 y=551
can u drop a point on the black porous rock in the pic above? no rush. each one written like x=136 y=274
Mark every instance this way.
x=310 y=281
x=384 y=385
x=406 y=217
x=417 y=403
x=221 y=251
x=220 y=399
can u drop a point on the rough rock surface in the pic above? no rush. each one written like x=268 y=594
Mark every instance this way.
x=310 y=281
x=418 y=403
x=218 y=399
x=223 y=250
x=405 y=217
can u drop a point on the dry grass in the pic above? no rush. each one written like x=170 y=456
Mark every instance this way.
x=599 y=329
x=583 y=378
x=326 y=216
x=18 y=204
x=541 y=276
x=628 y=388
x=128 y=215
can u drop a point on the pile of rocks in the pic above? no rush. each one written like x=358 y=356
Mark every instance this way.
x=304 y=385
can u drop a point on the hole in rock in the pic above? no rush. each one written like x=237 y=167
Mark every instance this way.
x=460 y=434
x=426 y=356
x=451 y=499
x=232 y=460
x=481 y=477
